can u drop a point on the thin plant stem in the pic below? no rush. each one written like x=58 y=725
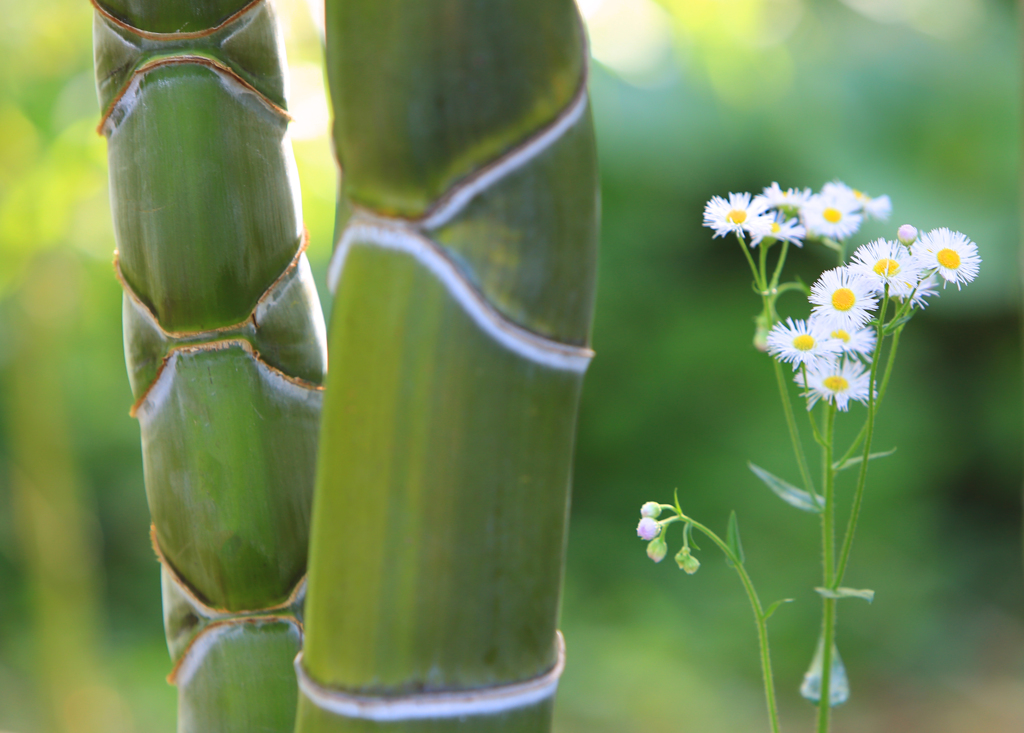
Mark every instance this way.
x=750 y=261
x=778 y=265
x=881 y=393
x=762 y=258
x=828 y=634
x=828 y=541
x=759 y=616
x=794 y=435
x=858 y=493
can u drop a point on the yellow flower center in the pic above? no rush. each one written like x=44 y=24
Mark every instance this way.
x=776 y=228
x=859 y=195
x=832 y=216
x=736 y=216
x=843 y=299
x=803 y=342
x=841 y=335
x=886 y=267
x=948 y=259
x=835 y=384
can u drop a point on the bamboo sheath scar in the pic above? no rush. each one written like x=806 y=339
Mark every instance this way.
x=464 y=276
x=224 y=340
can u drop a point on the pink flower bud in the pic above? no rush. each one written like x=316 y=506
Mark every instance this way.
x=907 y=234
x=648 y=529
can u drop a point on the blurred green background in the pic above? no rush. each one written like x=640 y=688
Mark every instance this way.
x=919 y=99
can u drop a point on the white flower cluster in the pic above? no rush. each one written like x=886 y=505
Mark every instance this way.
x=833 y=345
x=794 y=214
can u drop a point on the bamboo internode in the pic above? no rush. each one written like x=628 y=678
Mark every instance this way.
x=464 y=272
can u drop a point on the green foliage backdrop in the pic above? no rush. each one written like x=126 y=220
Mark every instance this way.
x=924 y=106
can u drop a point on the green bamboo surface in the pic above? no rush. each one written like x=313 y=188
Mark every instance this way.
x=464 y=277
x=224 y=340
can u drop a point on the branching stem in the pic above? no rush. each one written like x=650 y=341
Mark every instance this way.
x=759 y=616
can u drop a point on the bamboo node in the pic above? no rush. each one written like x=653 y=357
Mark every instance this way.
x=433 y=705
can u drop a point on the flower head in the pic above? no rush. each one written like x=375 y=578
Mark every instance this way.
x=738 y=214
x=773 y=197
x=837 y=382
x=876 y=208
x=842 y=299
x=831 y=214
x=951 y=254
x=801 y=342
x=925 y=288
x=886 y=263
x=781 y=229
x=857 y=341
x=648 y=529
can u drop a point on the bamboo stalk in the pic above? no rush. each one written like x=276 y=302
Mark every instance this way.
x=464 y=274
x=224 y=339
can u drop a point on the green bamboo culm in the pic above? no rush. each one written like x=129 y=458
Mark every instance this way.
x=464 y=272
x=224 y=340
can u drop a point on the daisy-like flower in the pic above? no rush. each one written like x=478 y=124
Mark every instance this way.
x=886 y=263
x=837 y=382
x=737 y=214
x=876 y=208
x=781 y=229
x=801 y=342
x=918 y=292
x=773 y=197
x=951 y=254
x=842 y=299
x=832 y=215
x=858 y=342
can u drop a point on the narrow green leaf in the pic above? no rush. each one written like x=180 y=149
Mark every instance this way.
x=896 y=323
x=772 y=608
x=787 y=492
x=849 y=462
x=867 y=595
x=732 y=538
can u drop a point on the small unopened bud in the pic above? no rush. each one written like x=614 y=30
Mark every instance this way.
x=761 y=333
x=686 y=561
x=657 y=549
x=650 y=509
x=907 y=234
x=648 y=529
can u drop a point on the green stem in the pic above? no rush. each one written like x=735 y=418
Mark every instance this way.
x=858 y=494
x=828 y=633
x=779 y=265
x=810 y=415
x=762 y=262
x=794 y=435
x=762 y=622
x=881 y=394
x=750 y=261
x=828 y=567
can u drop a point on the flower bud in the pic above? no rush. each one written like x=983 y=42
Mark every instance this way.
x=907 y=234
x=761 y=333
x=657 y=549
x=648 y=529
x=686 y=561
x=650 y=509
